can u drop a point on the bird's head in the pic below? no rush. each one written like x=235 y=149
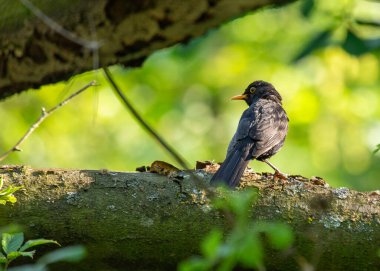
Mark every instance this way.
x=259 y=90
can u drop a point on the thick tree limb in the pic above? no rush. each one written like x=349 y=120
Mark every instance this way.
x=43 y=42
x=150 y=221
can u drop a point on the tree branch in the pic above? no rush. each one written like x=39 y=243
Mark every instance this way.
x=43 y=116
x=34 y=53
x=180 y=160
x=150 y=221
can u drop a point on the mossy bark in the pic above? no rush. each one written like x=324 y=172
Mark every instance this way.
x=151 y=222
x=33 y=51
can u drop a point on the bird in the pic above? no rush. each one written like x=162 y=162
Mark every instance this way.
x=260 y=134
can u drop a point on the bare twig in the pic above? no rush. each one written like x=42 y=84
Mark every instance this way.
x=44 y=115
x=143 y=123
x=193 y=177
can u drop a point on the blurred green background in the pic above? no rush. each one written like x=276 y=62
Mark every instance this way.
x=332 y=99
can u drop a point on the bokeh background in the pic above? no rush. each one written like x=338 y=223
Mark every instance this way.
x=332 y=99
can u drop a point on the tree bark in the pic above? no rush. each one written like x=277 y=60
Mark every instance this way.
x=33 y=52
x=151 y=222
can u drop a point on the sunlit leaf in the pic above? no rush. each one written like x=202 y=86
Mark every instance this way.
x=12 y=241
x=279 y=235
x=15 y=254
x=211 y=243
x=66 y=254
x=320 y=40
x=354 y=45
x=3 y=259
x=9 y=190
x=9 y=198
x=37 y=242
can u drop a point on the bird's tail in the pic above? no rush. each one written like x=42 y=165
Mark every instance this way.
x=233 y=167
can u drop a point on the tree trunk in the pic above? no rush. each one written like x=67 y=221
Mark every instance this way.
x=35 y=51
x=152 y=222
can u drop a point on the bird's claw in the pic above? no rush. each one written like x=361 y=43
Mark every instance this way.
x=280 y=175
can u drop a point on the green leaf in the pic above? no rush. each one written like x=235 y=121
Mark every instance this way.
x=241 y=202
x=1 y=182
x=280 y=235
x=9 y=190
x=67 y=254
x=12 y=241
x=354 y=45
x=15 y=254
x=28 y=253
x=9 y=198
x=29 y=267
x=37 y=242
x=194 y=264
x=227 y=264
x=320 y=40
x=211 y=243
x=250 y=251
x=3 y=259
x=307 y=7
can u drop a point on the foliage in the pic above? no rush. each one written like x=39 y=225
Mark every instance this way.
x=66 y=254
x=346 y=22
x=6 y=194
x=13 y=247
x=243 y=244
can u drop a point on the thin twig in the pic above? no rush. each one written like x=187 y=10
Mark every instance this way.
x=44 y=115
x=193 y=177
x=143 y=123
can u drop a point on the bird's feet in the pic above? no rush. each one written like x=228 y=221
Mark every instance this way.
x=279 y=175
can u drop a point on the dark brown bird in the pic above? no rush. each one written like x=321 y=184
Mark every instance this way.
x=260 y=134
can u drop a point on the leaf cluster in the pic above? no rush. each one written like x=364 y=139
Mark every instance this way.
x=13 y=247
x=353 y=41
x=243 y=245
x=6 y=194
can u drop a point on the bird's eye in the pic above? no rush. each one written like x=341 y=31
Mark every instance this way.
x=252 y=90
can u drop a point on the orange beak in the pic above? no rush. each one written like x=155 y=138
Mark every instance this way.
x=239 y=97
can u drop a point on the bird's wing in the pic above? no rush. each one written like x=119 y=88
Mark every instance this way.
x=247 y=121
x=265 y=123
x=269 y=127
x=242 y=131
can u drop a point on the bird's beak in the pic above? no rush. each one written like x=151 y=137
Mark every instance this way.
x=240 y=97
